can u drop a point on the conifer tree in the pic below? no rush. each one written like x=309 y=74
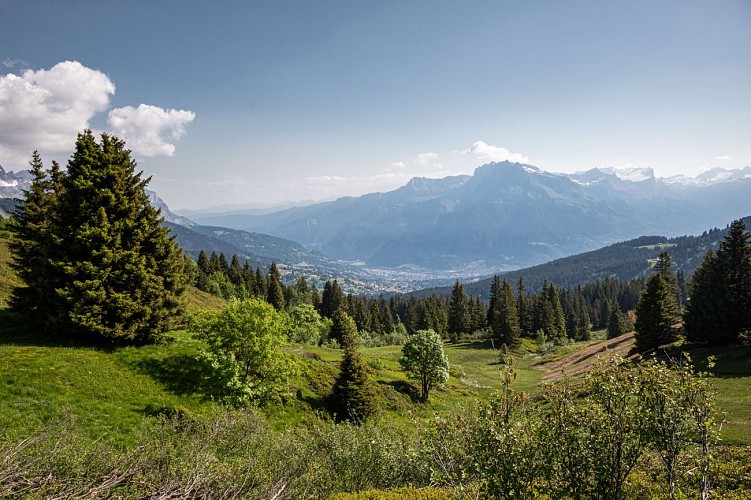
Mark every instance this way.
x=458 y=312
x=260 y=281
x=354 y=395
x=223 y=264
x=214 y=265
x=616 y=322
x=32 y=245
x=332 y=299
x=664 y=267
x=275 y=289
x=204 y=270
x=504 y=318
x=112 y=267
x=235 y=272
x=522 y=302
x=656 y=314
x=385 y=316
x=249 y=279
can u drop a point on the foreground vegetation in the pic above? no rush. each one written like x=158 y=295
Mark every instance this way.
x=134 y=421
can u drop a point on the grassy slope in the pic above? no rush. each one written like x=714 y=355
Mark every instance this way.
x=108 y=391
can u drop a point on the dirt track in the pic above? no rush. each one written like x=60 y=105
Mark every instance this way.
x=584 y=360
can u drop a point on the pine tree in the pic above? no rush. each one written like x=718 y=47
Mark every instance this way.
x=204 y=270
x=458 y=313
x=112 y=267
x=249 y=279
x=664 y=267
x=656 y=314
x=354 y=395
x=214 y=265
x=32 y=245
x=504 y=318
x=332 y=299
x=223 y=264
x=616 y=322
x=523 y=306
x=275 y=289
x=556 y=322
x=260 y=280
x=235 y=272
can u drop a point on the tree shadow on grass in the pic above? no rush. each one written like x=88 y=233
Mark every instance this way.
x=475 y=344
x=407 y=389
x=16 y=329
x=733 y=361
x=180 y=374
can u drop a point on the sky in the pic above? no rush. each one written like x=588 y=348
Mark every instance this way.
x=266 y=102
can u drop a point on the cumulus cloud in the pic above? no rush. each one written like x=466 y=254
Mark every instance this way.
x=397 y=165
x=45 y=109
x=488 y=152
x=723 y=157
x=427 y=159
x=149 y=130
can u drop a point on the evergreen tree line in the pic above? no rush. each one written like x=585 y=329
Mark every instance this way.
x=511 y=312
x=232 y=280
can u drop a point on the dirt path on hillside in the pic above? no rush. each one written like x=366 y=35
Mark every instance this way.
x=584 y=360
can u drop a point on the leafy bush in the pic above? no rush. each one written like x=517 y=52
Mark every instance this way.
x=245 y=344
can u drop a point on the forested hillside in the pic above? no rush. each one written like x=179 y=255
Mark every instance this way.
x=623 y=261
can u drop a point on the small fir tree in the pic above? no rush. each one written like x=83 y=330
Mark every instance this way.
x=354 y=394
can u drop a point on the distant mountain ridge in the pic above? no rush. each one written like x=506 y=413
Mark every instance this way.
x=624 y=261
x=506 y=215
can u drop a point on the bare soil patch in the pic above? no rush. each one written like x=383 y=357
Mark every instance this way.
x=584 y=360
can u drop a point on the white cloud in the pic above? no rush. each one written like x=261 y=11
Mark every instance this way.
x=488 y=152
x=397 y=165
x=723 y=157
x=427 y=159
x=45 y=109
x=149 y=130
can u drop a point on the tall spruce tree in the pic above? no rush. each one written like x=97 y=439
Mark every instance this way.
x=113 y=269
x=504 y=317
x=656 y=314
x=332 y=299
x=275 y=289
x=32 y=245
x=458 y=313
x=616 y=322
x=522 y=302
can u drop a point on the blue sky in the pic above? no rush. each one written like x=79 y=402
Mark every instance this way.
x=265 y=102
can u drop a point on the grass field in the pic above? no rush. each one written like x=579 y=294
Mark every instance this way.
x=108 y=391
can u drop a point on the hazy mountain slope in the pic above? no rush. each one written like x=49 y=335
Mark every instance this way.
x=507 y=215
x=625 y=260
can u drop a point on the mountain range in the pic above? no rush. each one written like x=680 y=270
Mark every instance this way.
x=504 y=216
x=431 y=231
